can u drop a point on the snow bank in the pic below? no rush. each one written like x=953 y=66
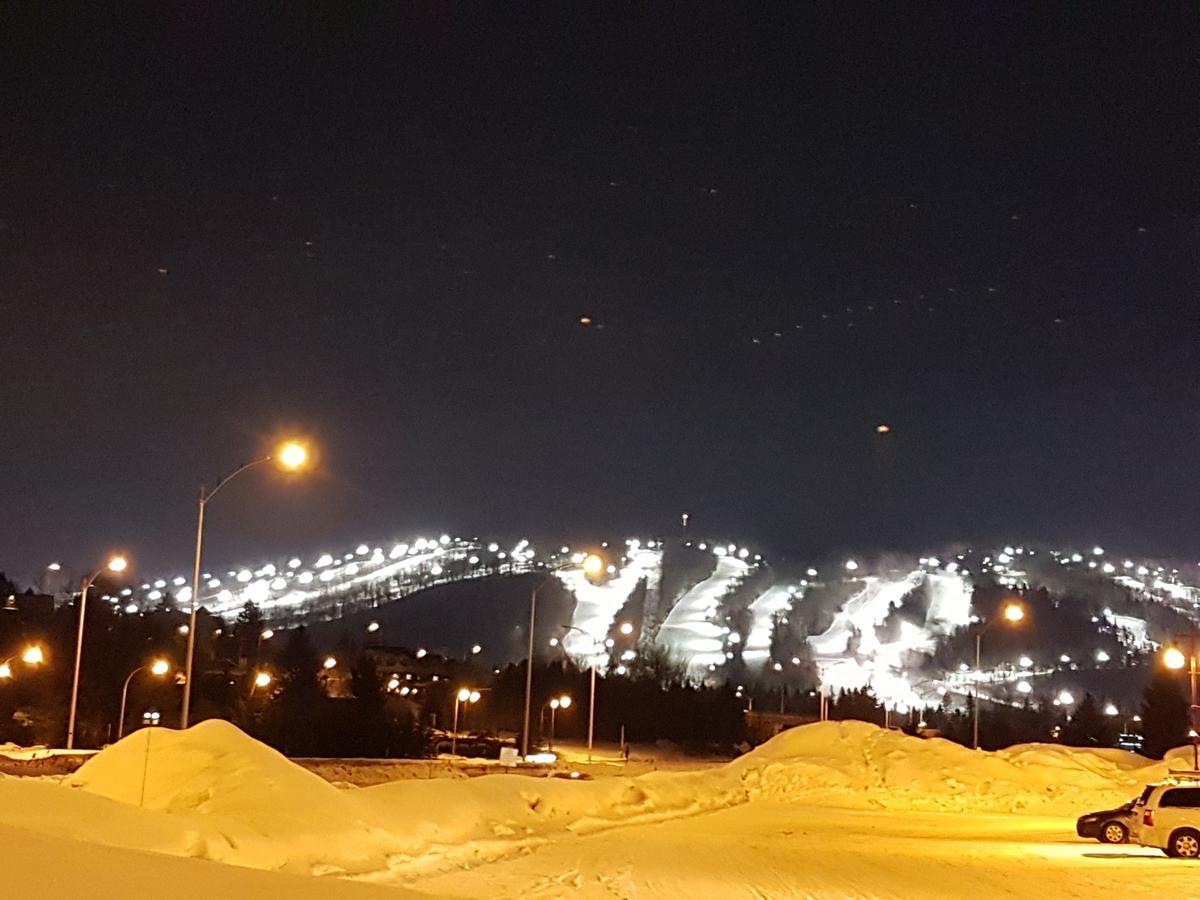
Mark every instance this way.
x=212 y=792
x=250 y=804
x=855 y=763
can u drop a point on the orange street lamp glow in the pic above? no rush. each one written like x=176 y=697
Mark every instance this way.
x=33 y=656
x=1014 y=613
x=593 y=564
x=1173 y=658
x=160 y=667
x=262 y=679
x=292 y=455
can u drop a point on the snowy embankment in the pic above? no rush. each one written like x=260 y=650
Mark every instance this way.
x=214 y=793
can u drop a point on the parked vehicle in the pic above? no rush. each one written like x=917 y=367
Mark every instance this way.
x=1109 y=826
x=1167 y=816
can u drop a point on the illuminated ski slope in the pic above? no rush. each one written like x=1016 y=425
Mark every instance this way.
x=596 y=605
x=287 y=587
x=876 y=664
x=688 y=630
x=758 y=643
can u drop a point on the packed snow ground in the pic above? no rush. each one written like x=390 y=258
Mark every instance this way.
x=834 y=809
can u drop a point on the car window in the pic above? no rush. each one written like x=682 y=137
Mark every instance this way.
x=1181 y=797
x=1145 y=794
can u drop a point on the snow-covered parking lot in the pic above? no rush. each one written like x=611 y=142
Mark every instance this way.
x=781 y=849
x=828 y=810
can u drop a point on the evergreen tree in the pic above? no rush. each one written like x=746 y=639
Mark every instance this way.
x=1088 y=726
x=1164 y=715
x=247 y=629
x=301 y=698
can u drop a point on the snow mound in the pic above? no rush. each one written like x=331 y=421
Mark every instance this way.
x=268 y=812
x=859 y=763
x=213 y=792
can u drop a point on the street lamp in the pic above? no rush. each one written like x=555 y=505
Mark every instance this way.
x=529 y=667
x=563 y=702
x=1012 y=614
x=116 y=564
x=261 y=680
x=291 y=456
x=464 y=695
x=158 y=668
x=596 y=650
x=1174 y=658
x=593 y=564
x=31 y=656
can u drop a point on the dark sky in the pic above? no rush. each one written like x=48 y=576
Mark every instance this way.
x=977 y=222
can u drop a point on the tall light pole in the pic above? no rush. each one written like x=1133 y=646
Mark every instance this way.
x=464 y=695
x=157 y=668
x=597 y=644
x=556 y=704
x=291 y=456
x=1012 y=614
x=1174 y=658
x=529 y=668
x=116 y=564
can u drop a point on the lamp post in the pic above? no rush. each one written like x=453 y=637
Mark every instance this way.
x=556 y=704
x=596 y=645
x=291 y=456
x=31 y=656
x=464 y=695
x=1012 y=614
x=157 y=668
x=529 y=668
x=261 y=680
x=1174 y=658
x=116 y=564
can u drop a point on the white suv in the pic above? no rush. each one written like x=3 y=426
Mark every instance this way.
x=1167 y=816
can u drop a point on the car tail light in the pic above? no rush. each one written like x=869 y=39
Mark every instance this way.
x=1148 y=818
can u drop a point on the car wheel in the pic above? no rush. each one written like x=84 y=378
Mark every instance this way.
x=1114 y=833
x=1184 y=844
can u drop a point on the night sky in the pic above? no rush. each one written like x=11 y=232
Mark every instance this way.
x=978 y=223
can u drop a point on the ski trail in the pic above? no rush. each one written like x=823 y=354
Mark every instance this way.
x=688 y=631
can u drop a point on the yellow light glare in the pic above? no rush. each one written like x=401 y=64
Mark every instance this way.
x=292 y=455
x=262 y=679
x=118 y=564
x=1014 y=613
x=329 y=662
x=474 y=698
x=564 y=701
x=160 y=667
x=1173 y=658
x=33 y=656
x=626 y=628
x=593 y=564
x=464 y=695
x=5 y=670
x=267 y=634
